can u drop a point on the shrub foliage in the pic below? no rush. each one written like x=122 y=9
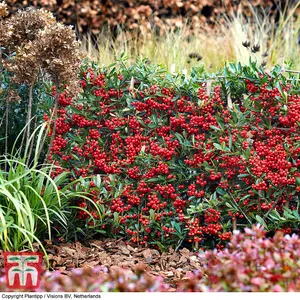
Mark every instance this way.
x=175 y=159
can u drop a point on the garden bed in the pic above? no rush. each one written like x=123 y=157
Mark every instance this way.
x=138 y=165
x=110 y=253
x=252 y=262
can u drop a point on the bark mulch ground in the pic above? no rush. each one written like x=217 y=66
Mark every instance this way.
x=172 y=266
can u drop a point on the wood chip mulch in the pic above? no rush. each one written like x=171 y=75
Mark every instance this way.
x=172 y=266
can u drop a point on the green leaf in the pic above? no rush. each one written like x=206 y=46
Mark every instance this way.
x=278 y=85
x=161 y=246
x=230 y=142
x=220 y=191
x=177 y=227
x=215 y=128
x=288 y=215
x=217 y=146
x=274 y=215
x=296 y=214
x=151 y=212
x=116 y=217
x=228 y=205
x=100 y=231
x=261 y=221
x=242 y=175
x=223 y=146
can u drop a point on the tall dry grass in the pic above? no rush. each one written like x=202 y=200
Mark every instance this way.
x=217 y=46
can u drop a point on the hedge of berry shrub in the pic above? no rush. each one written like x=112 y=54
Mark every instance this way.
x=174 y=160
x=252 y=263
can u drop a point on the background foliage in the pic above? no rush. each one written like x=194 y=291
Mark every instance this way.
x=162 y=14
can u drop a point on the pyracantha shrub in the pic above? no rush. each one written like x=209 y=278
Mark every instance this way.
x=173 y=160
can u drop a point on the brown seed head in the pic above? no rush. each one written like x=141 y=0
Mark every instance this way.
x=58 y=53
x=255 y=48
x=24 y=65
x=246 y=44
x=194 y=55
x=40 y=43
x=24 y=26
x=3 y=10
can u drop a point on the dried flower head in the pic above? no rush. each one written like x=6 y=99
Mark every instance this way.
x=3 y=10
x=195 y=55
x=263 y=64
x=24 y=26
x=58 y=53
x=24 y=65
x=40 y=42
x=5 y=32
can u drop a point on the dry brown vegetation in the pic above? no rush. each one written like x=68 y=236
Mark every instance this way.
x=92 y=15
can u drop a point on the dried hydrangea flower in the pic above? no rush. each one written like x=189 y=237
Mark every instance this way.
x=26 y=24
x=5 y=32
x=3 y=10
x=24 y=65
x=57 y=52
x=40 y=42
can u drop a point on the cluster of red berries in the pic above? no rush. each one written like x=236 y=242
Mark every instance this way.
x=212 y=216
x=161 y=153
x=58 y=143
x=64 y=100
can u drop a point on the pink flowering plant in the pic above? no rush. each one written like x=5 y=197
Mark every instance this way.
x=252 y=263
